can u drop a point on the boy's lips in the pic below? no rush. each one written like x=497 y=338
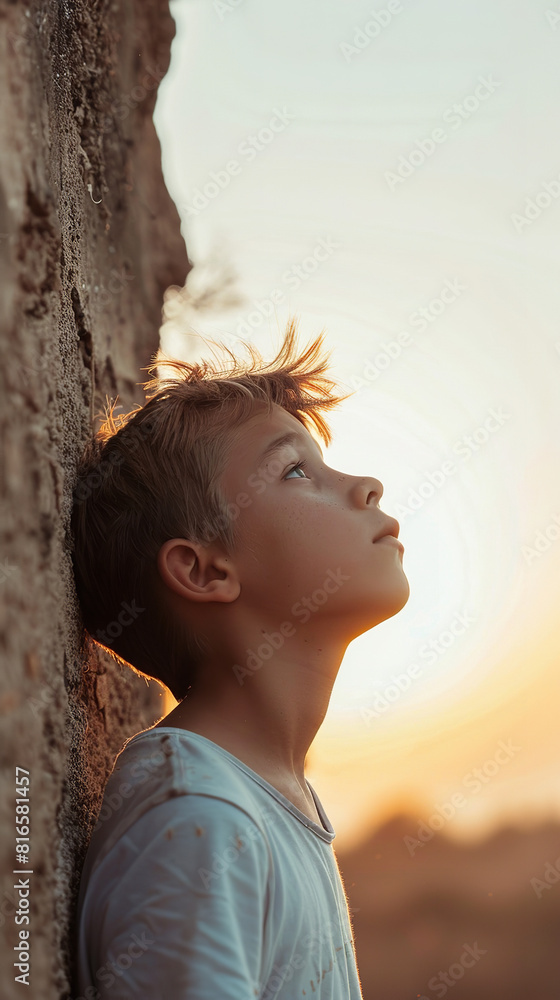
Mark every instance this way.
x=391 y=529
x=391 y=540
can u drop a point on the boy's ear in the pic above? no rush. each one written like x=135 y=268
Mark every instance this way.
x=198 y=572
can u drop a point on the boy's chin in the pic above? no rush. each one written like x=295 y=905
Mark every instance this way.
x=390 y=606
x=404 y=594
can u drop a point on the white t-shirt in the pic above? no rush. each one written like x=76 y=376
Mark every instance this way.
x=203 y=882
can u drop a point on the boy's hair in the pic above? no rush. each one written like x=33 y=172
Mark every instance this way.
x=152 y=474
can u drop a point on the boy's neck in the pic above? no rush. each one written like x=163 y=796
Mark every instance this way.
x=270 y=720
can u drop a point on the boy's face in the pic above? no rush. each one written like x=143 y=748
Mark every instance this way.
x=304 y=536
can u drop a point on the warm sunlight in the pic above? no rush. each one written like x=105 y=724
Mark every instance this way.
x=405 y=203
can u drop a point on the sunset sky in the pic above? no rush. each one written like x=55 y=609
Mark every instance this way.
x=401 y=192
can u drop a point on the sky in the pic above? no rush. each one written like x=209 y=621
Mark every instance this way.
x=390 y=173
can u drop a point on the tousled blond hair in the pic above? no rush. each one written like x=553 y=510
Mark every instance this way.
x=153 y=474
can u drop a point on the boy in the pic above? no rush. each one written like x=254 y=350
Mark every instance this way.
x=235 y=566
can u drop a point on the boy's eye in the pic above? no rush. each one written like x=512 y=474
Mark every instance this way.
x=300 y=465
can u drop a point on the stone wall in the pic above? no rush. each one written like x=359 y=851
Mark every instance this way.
x=89 y=241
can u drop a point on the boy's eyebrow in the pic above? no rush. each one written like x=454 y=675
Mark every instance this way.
x=290 y=438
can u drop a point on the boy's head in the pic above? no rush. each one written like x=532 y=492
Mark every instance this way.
x=184 y=514
x=154 y=474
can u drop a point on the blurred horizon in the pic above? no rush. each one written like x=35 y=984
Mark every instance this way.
x=397 y=189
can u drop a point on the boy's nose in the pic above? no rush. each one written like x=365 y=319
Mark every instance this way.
x=368 y=491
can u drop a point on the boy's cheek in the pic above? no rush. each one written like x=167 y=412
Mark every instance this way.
x=257 y=484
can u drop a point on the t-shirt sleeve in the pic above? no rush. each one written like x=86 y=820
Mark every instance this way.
x=185 y=900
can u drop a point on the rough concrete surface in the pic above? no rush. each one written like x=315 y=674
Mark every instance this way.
x=89 y=241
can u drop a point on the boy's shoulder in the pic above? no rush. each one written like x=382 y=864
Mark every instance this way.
x=158 y=765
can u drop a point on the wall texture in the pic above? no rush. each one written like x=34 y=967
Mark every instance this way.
x=89 y=240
